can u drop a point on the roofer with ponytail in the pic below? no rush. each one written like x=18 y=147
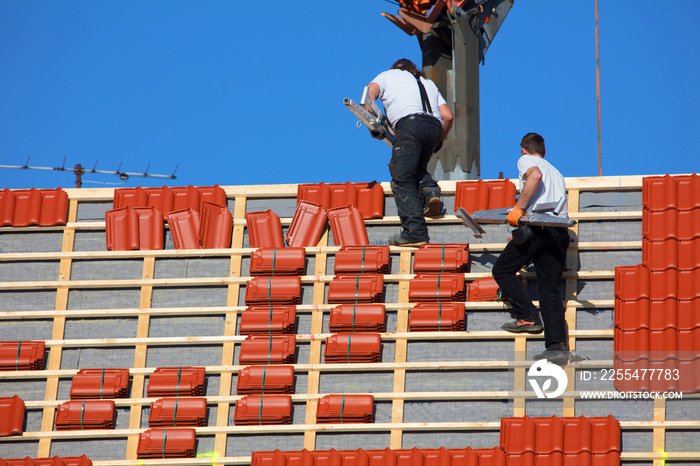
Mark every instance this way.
x=421 y=120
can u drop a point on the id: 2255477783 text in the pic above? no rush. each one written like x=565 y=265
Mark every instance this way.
x=629 y=374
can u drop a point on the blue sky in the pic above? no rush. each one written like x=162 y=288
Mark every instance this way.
x=251 y=92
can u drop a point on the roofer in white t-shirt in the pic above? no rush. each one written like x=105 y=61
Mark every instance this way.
x=540 y=183
x=421 y=119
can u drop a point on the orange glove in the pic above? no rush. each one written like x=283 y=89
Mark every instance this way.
x=514 y=216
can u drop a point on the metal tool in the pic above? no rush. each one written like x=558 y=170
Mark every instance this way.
x=370 y=114
x=535 y=216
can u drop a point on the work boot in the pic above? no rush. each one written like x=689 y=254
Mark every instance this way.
x=400 y=240
x=556 y=353
x=432 y=205
x=530 y=325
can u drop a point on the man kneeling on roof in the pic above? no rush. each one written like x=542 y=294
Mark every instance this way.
x=421 y=120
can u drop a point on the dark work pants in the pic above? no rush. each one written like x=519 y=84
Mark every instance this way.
x=547 y=251
x=414 y=142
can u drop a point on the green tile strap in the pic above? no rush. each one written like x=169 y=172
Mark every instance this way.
x=262 y=389
x=102 y=382
x=19 y=345
x=342 y=407
x=438 y=288
x=269 y=322
x=82 y=414
x=439 y=314
x=177 y=386
x=499 y=294
x=362 y=266
x=260 y=411
x=274 y=257
x=165 y=437
x=269 y=290
x=175 y=412
x=269 y=350
x=357 y=285
x=353 y=316
x=349 y=342
x=442 y=260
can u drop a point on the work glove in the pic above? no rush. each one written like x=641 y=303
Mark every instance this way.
x=514 y=216
x=437 y=148
x=377 y=134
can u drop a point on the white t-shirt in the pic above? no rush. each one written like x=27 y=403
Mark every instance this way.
x=552 y=186
x=400 y=95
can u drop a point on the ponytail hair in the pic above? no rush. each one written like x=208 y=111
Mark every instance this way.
x=407 y=65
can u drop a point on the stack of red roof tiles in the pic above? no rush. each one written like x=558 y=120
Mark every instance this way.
x=265 y=379
x=178 y=412
x=86 y=414
x=197 y=218
x=11 y=416
x=22 y=355
x=263 y=410
x=176 y=381
x=166 y=443
x=657 y=303
x=29 y=207
x=334 y=409
x=90 y=384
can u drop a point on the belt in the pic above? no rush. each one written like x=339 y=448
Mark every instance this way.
x=417 y=116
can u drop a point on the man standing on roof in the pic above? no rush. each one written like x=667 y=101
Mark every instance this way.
x=421 y=120
x=540 y=182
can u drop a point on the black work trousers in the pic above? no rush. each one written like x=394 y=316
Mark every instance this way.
x=415 y=140
x=547 y=251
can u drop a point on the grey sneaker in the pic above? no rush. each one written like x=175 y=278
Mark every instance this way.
x=399 y=240
x=555 y=353
x=533 y=326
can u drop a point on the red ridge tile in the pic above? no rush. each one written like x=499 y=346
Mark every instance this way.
x=11 y=416
x=184 y=228
x=448 y=257
x=263 y=410
x=86 y=414
x=484 y=289
x=342 y=195
x=265 y=379
x=100 y=383
x=358 y=288
x=275 y=320
x=370 y=199
x=22 y=355
x=307 y=225
x=358 y=318
x=437 y=287
x=275 y=290
x=122 y=229
x=347 y=226
x=176 y=381
x=166 y=443
x=178 y=412
x=353 y=347
x=278 y=261
x=272 y=349
x=346 y=408
x=54 y=207
x=362 y=259
x=264 y=229
x=27 y=207
x=318 y=194
x=151 y=230
x=7 y=207
x=432 y=317
x=216 y=226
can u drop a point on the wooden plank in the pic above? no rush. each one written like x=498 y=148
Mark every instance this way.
x=570 y=293
x=400 y=352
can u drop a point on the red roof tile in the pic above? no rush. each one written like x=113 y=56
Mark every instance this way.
x=472 y=196
x=268 y=320
x=347 y=226
x=632 y=341
x=358 y=318
x=437 y=287
x=630 y=315
x=212 y=195
x=342 y=195
x=27 y=207
x=151 y=228
x=11 y=416
x=166 y=443
x=357 y=457
x=186 y=197
x=358 y=288
x=689 y=284
x=370 y=199
x=605 y=434
x=268 y=458
x=660 y=255
x=160 y=198
x=53 y=461
x=353 y=347
x=659 y=192
x=577 y=435
x=412 y=457
x=362 y=259
x=688 y=224
x=689 y=254
x=86 y=414
x=272 y=349
x=689 y=375
x=184 y=228
x=100 y=383
x=176 y=381
x=345 y=408
x=307 y=225
x=265 y=379
x=435 y=257
x=275 y=290
x=216 y=226
x=54 y=207
x=299 y=458
x=278 y=261
x=688 y=342
x=484 y=289
x=263 y=410
x=318 y=194
x=122 y=229
x=325 y=457
x=76 y=461
x=436 y=457
x=659 y=225
x=549 y=435
x=131 y=197
x=178 y=412
x=517 y=435
x=688 y=317
x=264 y=229
x=7 y=207
x=22 y=355
x=631 y=362
x=631 y=282
x=384 y=457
